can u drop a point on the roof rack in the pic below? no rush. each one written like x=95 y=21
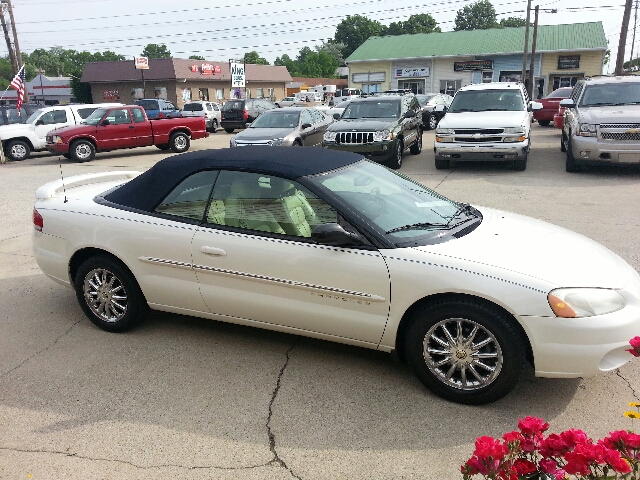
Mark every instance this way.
x=399 y=91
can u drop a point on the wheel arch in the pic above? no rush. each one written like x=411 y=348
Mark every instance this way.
x=184 y=130
x=80 y=256
x=443 y=297
x=21 y=139
x=91 y=140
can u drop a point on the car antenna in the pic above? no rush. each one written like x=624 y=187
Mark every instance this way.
x=63 y=187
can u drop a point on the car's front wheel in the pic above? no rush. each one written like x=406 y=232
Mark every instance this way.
x=465 y=351
x=229 y=130
x=109 y=294
x=416 y=148
x=82 y=151
x=572 y=164
x=442 y=164
x=179 y=142
x=396 y=161
x=433 y=121
x=18 y=150
x=544 y=123
x=563 y=147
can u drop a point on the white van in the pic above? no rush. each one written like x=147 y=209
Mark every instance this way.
x=308 y=96
x=20 y=139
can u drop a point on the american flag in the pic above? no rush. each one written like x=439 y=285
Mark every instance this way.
x=18 y=84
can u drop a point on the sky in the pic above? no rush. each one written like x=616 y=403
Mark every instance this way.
x=220 y=31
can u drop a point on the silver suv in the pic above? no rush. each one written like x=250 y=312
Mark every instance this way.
x=201 y=108
x=601 y=122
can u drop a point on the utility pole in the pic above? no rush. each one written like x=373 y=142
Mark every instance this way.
x=635 y=24
x=623 y=37
x=12 y=55
x=15 y=34
x=526 y=45
x=533 y=54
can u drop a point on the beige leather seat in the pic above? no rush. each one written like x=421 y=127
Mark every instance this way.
x=298 y=212
x=216 y=213
x=243 y=209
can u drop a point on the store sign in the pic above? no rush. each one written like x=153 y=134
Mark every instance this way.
x=194 y=68
x=111 y=95
x=237 y=75
x=568 y=61
x=205 y=69
x=473 y=65
x=412 y=72
x=369 y=77
x=142 y=63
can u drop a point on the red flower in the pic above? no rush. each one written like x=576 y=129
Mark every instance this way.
x=575 y=437
x=555 y=445
x=532 y=427
x=635 y=343
x=522 y=467
x=489 y=447
x=622 y=441
x=612 y=457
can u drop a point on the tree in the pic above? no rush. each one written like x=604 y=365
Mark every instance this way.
x=632 y=66
x=478 y=15
x=419 y=23
x=513 y=22
x=153 y=50
x=333 y=48
x=255 y=58
x=354 y=30
x=196 y=57
x=287 y=61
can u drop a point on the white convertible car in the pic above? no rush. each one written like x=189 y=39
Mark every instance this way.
x=330 y=245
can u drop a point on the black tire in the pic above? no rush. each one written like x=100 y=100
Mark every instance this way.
x=67 y=156
x=18 y=150
x=82 y=151
x=563 y=148
x=499 y=363
x=416 y=148
x=214 y=126
x=442 y=164
x=117 y=308
x=432 y=122
x=544 y=123
x=164 y=146
x=179 y=142
x=572 y=165
x=520 y=164
x=229 y=130
x=296 y=143
x=395 y=162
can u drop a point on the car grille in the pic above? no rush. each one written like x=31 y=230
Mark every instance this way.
x=620 y=136
x=354 y=137
x=481 y=131
x=620 y=125
x=478 y=139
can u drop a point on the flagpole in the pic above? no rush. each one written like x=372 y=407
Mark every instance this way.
x=5 y=91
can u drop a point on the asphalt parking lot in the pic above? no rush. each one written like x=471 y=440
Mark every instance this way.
x=186 y=398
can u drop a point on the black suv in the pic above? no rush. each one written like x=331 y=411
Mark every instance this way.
x=380 y=127
x=237 y=113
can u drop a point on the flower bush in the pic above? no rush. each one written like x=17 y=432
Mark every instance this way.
x=530 y=452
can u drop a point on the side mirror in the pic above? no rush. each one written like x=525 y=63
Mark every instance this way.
x=40 y=122
x=568 y=103
x=440 y=108
x=409 y=114
x=105 y=122
x=333 y=234
x=533 y=106
x=336 y=116
x=305 y=125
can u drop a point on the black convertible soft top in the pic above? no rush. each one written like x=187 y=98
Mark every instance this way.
x=147 y=190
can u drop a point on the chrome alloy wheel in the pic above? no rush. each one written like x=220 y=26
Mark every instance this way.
x=18 y=151
x=462 y=354
x=83 y=151
x=105 y=295
x=180 y=142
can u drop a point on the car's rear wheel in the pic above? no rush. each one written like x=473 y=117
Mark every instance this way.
x=179 y=142
x=214 y=126
x=464 y=351
x=543 y=123
x=109 y=294
x=18 y=150
x=396 y=161
x=229 y=130
x=82 y=151
x=416 y=148
x=163 y=146
x=433 y=121
x=572 y=165
x=442 y=164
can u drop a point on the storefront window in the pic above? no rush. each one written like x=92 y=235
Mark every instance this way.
x=186 y=94
x=160 y=92
x=219 y=93
x=137 y=93
x=450 y=87
x=259 y=93
x=371 y=88
x=416 y=86
x=565 y=81
x=203 y=94
x=487 y=77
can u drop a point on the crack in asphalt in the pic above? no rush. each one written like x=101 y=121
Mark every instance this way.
x=633 y=390
x=40 y=351
x=272 y=438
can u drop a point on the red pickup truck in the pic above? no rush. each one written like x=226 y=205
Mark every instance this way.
x=125 y=126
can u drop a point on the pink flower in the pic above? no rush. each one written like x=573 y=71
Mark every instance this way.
x=555 y=445
x=532 y=427
x=489 y=447
x=575 y=437
x=612 y=457
x=635 y=343
x=522 y=467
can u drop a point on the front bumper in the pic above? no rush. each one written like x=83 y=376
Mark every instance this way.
x=596 y=149
x=58 y=148
x=378 y=151
x=481 y=151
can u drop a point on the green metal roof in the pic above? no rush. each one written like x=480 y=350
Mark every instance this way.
x=572 y=37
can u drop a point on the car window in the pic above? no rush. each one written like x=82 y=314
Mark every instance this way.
x=192 y=107
x=266 y=203
x=611 y=94
x=189 y=199
x=380 y=109
x=233 y=105
x=85 y=112
x=318 y=116
x=215 y=107
x=137 y=114
x=118 y=116
x=560 y=93
x=487 y=100
x=277 y=120
x=148 y=104
x=53 y=117
x=305 y=117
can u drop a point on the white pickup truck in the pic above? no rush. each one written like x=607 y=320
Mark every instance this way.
x=20 y=139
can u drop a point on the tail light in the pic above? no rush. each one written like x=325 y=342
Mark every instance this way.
x=38 y=221
x=245 y=114
x=160 y=115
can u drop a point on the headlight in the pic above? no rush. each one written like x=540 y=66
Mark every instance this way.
x=56 y=139
x=329 y=136
x=275 y=142
x=584 y=302
x=380 y=135
x=514 y=130
x=587 y=130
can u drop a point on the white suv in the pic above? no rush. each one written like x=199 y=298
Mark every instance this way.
x=601 y=122
x=201 y=108
x=486 y=121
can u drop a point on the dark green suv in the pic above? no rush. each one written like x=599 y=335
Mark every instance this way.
x=379 y=127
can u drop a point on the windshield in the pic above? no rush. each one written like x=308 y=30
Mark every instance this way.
x=425 y=98
x=487 y=100
x=611 y=94
x=233 y=105
x=147 y=104
x=560 y=93
x=95 y=117
x=379 y=109
x=32 y=118
x=391 y=201
x=277 y=120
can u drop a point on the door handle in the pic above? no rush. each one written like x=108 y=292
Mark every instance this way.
x=132 y=126
x=213 y=251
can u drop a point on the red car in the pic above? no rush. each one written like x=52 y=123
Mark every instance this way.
x=558 y=118
x=550 y=105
